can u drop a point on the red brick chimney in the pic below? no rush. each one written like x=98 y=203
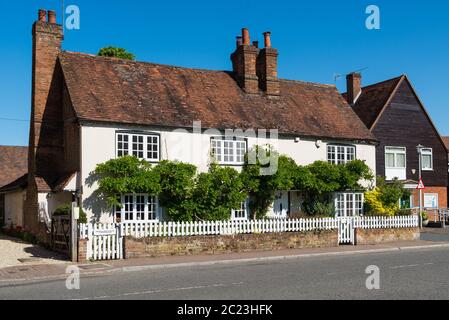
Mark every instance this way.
x=46 y=152
x=354 y=87
x=267 y=68
x=244 y=63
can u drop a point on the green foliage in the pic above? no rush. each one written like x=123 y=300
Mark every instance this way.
x=321 y=208
x=114 y=52
x=189 y=196
x=384 y=199
x=315 y=181
x=65 y=210
x=217 y=193
x=177 y=183
x=126 y=175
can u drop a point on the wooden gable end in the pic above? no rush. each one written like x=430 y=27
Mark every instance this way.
x=404 y=122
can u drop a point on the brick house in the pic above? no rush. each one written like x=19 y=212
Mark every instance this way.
x=88 y=109
x=394 y=113
x=446 y=142
x=13 y=178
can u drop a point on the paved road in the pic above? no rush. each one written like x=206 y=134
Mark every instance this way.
x=411 y=274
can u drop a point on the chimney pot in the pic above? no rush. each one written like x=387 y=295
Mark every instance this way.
x=267 y=36
x=256 y=44
x=42 y=15
x=52 y=16
x=245 y=36
x=239 y=41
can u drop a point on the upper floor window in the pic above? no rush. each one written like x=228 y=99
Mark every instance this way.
x=395 y=158
x=142 y=146
x=228 y=152
x=138 y=207
x=340 y=154
x=427 y=159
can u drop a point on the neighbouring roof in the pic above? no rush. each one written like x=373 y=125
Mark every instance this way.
x=128 y=92
x=43 y=185
x=373 y=99
x=13 y=164
x=446 y=142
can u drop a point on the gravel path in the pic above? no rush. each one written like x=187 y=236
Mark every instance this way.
x=12 y=249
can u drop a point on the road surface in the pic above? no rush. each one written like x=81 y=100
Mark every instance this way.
x=410 y=274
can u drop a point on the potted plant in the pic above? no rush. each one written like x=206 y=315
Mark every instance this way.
x=425 y=219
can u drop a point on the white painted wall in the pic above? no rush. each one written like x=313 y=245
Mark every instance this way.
x=98 y=146
x=14 y=202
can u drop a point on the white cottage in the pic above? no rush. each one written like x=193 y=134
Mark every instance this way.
x=89 y=109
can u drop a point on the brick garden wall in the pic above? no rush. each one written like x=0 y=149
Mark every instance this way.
x=210 y=245
x=377 y=236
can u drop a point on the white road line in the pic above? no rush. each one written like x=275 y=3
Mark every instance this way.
x=406 y=266
x=138 y=293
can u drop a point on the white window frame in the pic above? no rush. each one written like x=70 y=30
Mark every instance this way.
x=395 y=153
x=431 y=195
x=427 y=152
x=148 y=201
x=341 y=207
x=335 y=150
x=222 y=147
x=146 y=143
x=240 y=214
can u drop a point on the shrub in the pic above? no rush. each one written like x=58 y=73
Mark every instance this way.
x=65 y=210
x=114 y=52
x=384 y=199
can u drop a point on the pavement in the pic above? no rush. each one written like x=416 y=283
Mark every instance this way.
x=14 y=252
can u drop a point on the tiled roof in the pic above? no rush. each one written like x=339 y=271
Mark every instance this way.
x=121 y=91
x=373 y=99
x=13 y=164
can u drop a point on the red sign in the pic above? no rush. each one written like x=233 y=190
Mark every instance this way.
x=420 y=185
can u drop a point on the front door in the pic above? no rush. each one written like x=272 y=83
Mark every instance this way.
x=280 y=208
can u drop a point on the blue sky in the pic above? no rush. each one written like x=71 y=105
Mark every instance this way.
x=315 y=40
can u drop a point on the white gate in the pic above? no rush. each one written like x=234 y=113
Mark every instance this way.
x=346 y=230
x=104 y=241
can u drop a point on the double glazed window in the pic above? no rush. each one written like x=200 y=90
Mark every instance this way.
x=427 y=159
x=349 y=204
x=337 y=154
x=142 y=146
x=395 y=158
x=228 y=152
x=138 y=207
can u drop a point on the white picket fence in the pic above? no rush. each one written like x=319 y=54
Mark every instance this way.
x=105 y=241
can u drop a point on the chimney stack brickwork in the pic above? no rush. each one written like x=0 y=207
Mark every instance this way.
x=354 y=86
x=46 y=144
x=244 y=61
x=256 y=69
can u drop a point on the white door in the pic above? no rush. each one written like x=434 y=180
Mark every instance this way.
x=280 y=207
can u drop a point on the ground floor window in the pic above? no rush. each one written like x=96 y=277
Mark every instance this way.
x=349 y=204
x=138 y=207
x=430 y=200
x=241 y=213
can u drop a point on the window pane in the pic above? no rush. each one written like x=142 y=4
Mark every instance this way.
x=129 y=207
x=389 y=159
x=427 y=160
x=152 y=208
x=140 y=207
x=350 y=154
x=331 y=154
x=400 y=158
x=153 y=148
